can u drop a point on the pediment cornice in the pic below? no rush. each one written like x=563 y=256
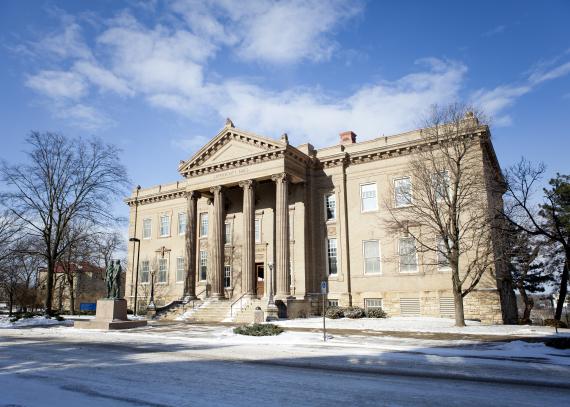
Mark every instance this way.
x=263 y=149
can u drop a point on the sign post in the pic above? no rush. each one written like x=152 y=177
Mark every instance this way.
x=324 y=295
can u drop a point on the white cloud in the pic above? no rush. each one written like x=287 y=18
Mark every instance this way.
x=83 y=116
x=189 y=145
x=495 y=101
x=58 y=84
x=103 y=78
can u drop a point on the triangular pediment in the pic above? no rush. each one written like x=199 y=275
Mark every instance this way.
x=229 y=145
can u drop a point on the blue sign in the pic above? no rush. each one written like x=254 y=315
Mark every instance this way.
x=323 y=287
x=87 y=306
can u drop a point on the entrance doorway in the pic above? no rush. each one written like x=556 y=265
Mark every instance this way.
x=260 y=273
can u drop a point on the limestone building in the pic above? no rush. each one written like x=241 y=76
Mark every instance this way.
x=254 y=218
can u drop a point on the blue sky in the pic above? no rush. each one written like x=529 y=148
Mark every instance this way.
x=159 y=78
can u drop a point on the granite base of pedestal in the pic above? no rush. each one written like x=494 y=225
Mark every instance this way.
x=110 y=315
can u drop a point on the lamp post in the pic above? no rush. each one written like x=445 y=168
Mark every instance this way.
x=136 y=240
x=271 y=312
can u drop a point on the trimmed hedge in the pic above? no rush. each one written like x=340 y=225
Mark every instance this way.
x=258 y=330
x=354 y=312
x=376 y=313
x=334 y=313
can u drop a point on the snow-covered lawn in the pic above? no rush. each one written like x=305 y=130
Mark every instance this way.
x=173 y=364
x=28 y=322
x=421 y=324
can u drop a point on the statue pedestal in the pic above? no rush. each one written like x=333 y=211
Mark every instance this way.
x=110 y=314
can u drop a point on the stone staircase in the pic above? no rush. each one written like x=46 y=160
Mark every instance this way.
x=211 y=311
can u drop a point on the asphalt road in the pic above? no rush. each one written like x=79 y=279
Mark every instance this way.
x=45 y=370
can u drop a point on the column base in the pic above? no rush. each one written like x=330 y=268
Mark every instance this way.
x=217 y=297
x=189 y=298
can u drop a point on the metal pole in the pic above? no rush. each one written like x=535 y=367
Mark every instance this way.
x=134 y=239
x=137 y=277
x=324 y=325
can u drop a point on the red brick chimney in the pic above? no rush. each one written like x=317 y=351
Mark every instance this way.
x=347 y=137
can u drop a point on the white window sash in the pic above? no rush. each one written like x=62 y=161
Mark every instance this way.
x=372 y=264
x=368 y=197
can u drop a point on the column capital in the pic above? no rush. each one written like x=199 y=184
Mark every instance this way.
x=193 y=194
x=281 y=177
x=246 y=184
x=217 y=189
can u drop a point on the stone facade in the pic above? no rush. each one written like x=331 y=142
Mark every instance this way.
x=257 y=217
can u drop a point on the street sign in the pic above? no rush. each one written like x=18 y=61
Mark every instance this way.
x=87 y=306
x=323 y=287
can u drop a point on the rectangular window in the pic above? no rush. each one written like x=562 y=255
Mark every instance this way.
x=227 y=276
x=203 y=224
x=258 y=230
x=162 y=270
x=441 y=185
x=180 y=269
x=442 y=259
x=330 y=207
x=227 y=233
x=408 y=255
x=403 y=192
x=182 y=223
x=371 y=249
x=332 y=256
x=203 y=265
x=145 y=271
x=164 y=225
x=368 y=198
x=333 y=303
x=372 y=303
x=147 y=228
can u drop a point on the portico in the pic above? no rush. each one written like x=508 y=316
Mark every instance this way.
x=235 y=164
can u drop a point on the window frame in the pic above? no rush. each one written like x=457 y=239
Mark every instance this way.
x=178 y=269
x=228 y=234
x=147 y=271
x=367 y=307
x=149 y=228
x=336 y=256
x=204 y=215
x=400 y=256
x=379 y=257
x=203 y=264
x=161 y=224
x=257 y=230
x=435 y=178
x=227 y=276
x=362 y=210
x=411 y=197
x=326 y=203
x=182 y=231
x=163 y=260
x=440 y=267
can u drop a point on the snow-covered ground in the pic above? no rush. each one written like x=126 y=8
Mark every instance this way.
x=177 y=364
x=28 y=322
x=421 y=324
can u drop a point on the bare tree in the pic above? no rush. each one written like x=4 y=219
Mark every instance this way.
x=64 y=180
x=549 y=218
x=446 y=210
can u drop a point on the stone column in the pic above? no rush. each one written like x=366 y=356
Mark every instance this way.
x=248 y=247
x=191 y=224
x=216 y=244
x=281 y=235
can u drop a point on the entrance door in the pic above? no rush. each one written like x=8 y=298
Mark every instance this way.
x=259 y=270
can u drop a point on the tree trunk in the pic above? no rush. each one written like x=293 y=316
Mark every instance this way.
x=71 y=297
x=49 y=287
x=563 y=291
x=528 y=303
x=11 y=305
x=457 y=296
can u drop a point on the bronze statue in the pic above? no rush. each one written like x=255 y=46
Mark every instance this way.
x=113 y=280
